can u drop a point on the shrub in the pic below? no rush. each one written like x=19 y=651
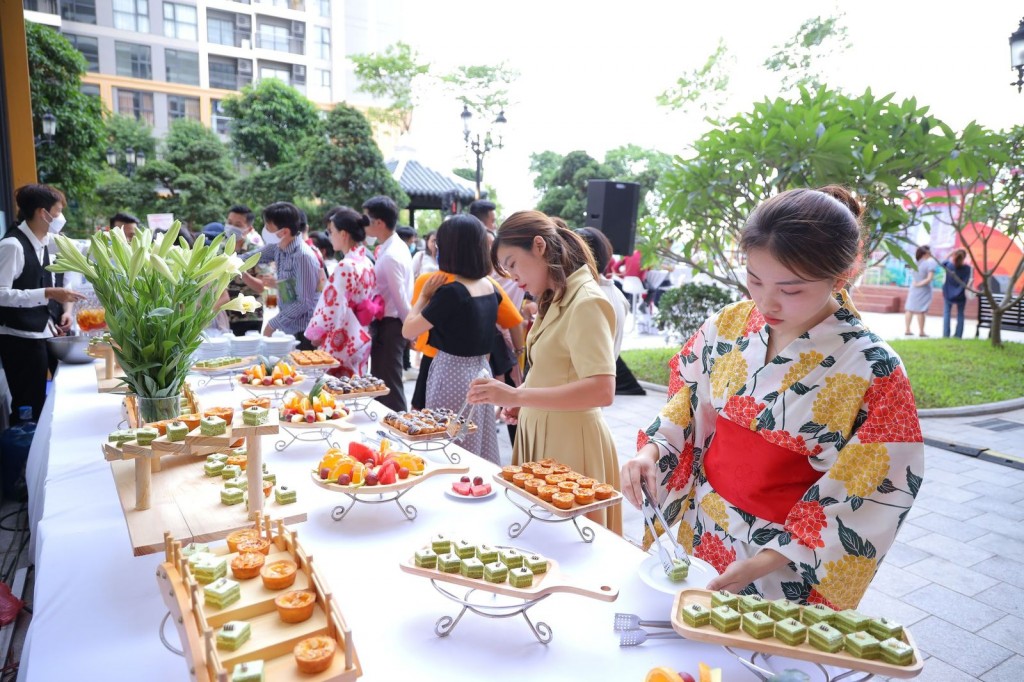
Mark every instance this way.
x=682 y=310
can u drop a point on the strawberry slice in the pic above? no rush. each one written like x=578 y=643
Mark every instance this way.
x=480 y=490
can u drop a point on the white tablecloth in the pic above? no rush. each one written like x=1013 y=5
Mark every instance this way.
x=97 y=608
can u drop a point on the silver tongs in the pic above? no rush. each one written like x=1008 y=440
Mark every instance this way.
x=677 y=550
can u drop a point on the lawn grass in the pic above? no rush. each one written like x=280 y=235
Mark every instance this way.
x=943 y=372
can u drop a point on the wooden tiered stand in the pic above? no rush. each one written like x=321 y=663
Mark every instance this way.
x=272 y=640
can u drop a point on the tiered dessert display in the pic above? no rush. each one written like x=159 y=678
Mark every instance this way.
x=357 y=393
x=554 y=493
x=266 y=378
x=109 y=375
x=846 y=639
x=313 y=362
x=428 y=430
x=526 y=577
x=312 y=416
x=374 y=476
x=257 y=609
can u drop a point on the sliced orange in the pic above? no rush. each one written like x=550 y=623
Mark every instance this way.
x=358 y=473
x=344 y=466
x=663 y=674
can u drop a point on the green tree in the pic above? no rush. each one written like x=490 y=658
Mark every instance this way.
x=483 y=88
x=115 y=191
x=566 y=196
x=71 y=162
x=270 y=121
x=703 y=88
x=796 y=60
x=127 y=131
x=347 y=167
x=390 y=76
x=264 y=186
x=877 y=147
x=544 y=165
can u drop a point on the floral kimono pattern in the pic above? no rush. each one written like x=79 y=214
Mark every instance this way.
x=334 y=326
x=839 y=397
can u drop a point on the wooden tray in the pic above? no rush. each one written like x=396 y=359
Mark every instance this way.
x=576 y=510
x=804 y=652
x=272 y=640
x=295 y=363
x=549 y=582
x=357 y=396
x=298 y=379
x=419 y=438
x=223 y=368
x=413 y=480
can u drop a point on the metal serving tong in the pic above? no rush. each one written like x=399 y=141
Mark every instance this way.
x=677 y=550
x=461 y=421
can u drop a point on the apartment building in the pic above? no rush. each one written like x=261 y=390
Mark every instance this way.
x=160 y=60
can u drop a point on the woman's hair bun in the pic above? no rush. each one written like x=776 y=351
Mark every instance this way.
x=843 y=196
x=364 y=220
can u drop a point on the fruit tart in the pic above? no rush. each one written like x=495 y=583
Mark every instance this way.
x=247 y=565
x=278 y=575
x=315 y=654
x=295 y=606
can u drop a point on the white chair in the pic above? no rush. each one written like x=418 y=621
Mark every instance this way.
x=634 y=286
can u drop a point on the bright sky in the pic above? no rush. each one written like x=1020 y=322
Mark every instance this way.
x=590 y=70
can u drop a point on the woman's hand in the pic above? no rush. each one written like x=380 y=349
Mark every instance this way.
x=510 y=415
x=641 y=467
x=435 y=282
x=741 y=573
x=492 y=392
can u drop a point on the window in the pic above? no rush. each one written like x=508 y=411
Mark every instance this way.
x=136 y=104
x=90 y=89
x=179 y=106
x=325 y=84
x=45 y=6
x=182 y=66
x=134 y=60
x=220 y=29
x=325 y=8
x=83 y=11
x=323 y=45
x=132 y=15
x=299 y=5
x=282 y=72
x=89 y=47
x=223 y=73
x=180 y=21
x=221 y=121
x=272 y=37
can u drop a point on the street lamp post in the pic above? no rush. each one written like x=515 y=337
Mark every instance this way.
x=1017 y=55
x=481 y=144
x=132 y=159
x=49 y=130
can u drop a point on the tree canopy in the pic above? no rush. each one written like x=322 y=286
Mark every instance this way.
x=390 y=76
x=270 y=119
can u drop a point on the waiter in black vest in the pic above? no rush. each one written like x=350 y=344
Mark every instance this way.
x=28 y=299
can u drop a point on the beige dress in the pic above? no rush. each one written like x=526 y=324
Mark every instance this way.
x=572 y=341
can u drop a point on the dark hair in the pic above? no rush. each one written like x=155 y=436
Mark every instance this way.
x=816 y=233
x=303 y=221
x=599 y=246
x=462 y=247
x=406 y=233
x=344 y=219
x=244 y=211
x=330 y=213
x=481 y=207
x=565 y=251
x=922 y=251
x=382 y=208
x=321 y=243
x=283 y=214
x=958 y=257
x=31 y=198
x=426 y=243
x=123 y=218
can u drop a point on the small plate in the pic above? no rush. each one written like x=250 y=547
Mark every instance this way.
x=653 y=573
x=454 y=495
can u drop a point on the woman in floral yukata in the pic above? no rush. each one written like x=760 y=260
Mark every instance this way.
x=350 y=301
x=790 y=450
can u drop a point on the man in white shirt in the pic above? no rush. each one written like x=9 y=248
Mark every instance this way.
x=26 y=296
x=486 y=212
x=242 y=217
x=393 y=268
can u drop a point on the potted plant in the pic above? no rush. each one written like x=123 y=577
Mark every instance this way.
x=159 y=297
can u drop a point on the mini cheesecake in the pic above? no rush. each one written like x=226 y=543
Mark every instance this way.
x=250 y=671
x=176 y=431
x=214 y=468
x=212 y=426
x=696 y=615
x=284 y=494
x=231 y=496
x=442 y=544
x=536 y=563
x=240 y=482
x=210 y=568
x=725 y=618
x=254 y=416
x=146 y=435
x=464 y=549
x=221 y=593
x=790 y=631
x=231 y=470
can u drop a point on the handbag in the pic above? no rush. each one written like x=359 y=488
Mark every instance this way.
x=502 y=359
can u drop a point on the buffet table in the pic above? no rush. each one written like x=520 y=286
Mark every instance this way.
x=97 y=610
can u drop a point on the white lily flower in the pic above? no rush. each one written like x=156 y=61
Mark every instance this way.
x=242 y=304
x=234 y=265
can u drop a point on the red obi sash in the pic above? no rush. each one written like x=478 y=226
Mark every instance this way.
x=759 y=477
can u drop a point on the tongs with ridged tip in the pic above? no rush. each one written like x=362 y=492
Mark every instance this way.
x=631 y=621
x=666 y=558
x=637 y=637
x=677 y=550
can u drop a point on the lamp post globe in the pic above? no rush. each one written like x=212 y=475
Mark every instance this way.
x=1017 y=54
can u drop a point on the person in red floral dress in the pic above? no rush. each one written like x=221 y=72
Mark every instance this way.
x=789 y=452
x=349 y=301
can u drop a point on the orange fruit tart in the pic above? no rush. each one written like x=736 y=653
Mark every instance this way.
x=509 y=471
x=561 y=468
x=235 y=537
x=247 y=565
x=563 y=500
x=533 y=484
x=225 y=413
x=267 y=487
x=521 y=479
x=603 y=491
x=584 y=495
x=541 y=472
x=256 y=402
x=257 y=544
x=573 y=476
x=585 y=482
x=191 y=420
x=278 y=575
x=554 y=479
x=315 y=654
x=238 y=460
x=564 y=486
x=547 y=462
x=295 y=606
x=545 y=492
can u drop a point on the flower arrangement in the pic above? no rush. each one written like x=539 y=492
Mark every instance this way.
x=159 y=297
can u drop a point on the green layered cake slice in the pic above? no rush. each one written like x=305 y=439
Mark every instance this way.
x=883 y=628
x=751 y=603
x=234 y=634
x=495 y=572
x=824 y=637
x=817 y=613
x=723 y=598
x=520 y=577
x=472 y=568
x=231 y=470
x=194 y=548
x=240 y=482
x=212 y=426
x=511 y=558
x=209 y=569
x=176 y=431
x=449 y=563
x=242 y=452
x=254 y=416
x=861 y=645
x=680 y=569
x=121 y=436
x=195 y=557
x=231 y=496
x=896 y=651
x=696 y=615
x=284 y=494
x=212 y=469
x=725 y=618
x=270 y=478
x=250 y=671
x=146 y=435
x=536 y=563
x=757 y=624
x=441 y=543
x=850 y=620
x=218 y=457
x=486 y=554
x=780 y=609
x=465 y=549
x=222 y=592
x=426 y=558
x=790 y=631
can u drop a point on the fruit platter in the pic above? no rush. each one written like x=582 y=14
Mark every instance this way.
x=313 y=410
x=256 y=609
x=844 y=639
x=363 y=472
x=470 y=488
x=263 y=375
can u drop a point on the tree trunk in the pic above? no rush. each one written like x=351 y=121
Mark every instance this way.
x=995 y=331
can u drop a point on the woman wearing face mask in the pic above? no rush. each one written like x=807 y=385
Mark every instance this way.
x=27 y=294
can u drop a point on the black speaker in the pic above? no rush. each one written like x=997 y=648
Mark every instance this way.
x=612 y=208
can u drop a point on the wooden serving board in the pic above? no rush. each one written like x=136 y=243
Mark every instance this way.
x=549 y=582
x=804 y=652
x=297 y=379
x=234 y=431
x=341 y=424
x=356 y=396
x=576 y=510
x=421 y=437
x=413 y=480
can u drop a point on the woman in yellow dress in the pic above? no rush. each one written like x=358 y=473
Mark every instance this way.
x=572 y=362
